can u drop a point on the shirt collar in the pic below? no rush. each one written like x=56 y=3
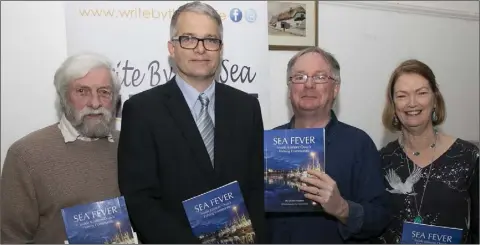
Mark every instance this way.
x=70 y=134
x=191 y=94
x=333 y=121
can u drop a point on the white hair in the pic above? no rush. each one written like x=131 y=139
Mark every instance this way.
x=77 y=66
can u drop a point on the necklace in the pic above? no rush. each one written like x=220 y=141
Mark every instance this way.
x=417 y=153
x=419 y=219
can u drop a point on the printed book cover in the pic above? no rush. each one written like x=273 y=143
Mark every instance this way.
x=102 y=222
x=288 y=154
x=220 y=216
x=417 y=233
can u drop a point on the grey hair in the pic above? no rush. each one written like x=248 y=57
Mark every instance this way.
x=196 y=7
x=334 y=65
x=77 y=66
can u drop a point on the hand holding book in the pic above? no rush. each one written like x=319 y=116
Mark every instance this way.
x=322 y=189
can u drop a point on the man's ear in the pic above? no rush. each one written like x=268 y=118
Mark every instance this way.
x=221 y=50
x=336 y=89
x=289 y=91
x=171 y=48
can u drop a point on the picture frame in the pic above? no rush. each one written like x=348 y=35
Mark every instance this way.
x=292 y=25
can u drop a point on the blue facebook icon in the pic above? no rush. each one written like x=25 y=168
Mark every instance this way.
x=236 y=15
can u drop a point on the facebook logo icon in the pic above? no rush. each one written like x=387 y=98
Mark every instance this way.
x=236 y=15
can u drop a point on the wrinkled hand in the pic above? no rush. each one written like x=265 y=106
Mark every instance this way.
x=323 y=190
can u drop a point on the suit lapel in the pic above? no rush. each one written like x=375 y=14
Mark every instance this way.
x=223 y=127
x=180 y=112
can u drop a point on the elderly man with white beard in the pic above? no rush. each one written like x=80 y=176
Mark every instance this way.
x=68 y=163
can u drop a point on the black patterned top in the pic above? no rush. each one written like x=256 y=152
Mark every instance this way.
x=451 y=195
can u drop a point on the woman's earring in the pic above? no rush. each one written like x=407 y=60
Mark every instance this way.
x=395 y=121
x=434 y=116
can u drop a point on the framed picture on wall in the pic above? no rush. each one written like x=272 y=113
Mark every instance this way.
x=292 y=25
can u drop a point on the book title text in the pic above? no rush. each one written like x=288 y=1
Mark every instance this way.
x=294 y=140
x=214 y=201
x=95 y=214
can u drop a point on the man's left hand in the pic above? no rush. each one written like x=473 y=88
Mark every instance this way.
x=323 y=190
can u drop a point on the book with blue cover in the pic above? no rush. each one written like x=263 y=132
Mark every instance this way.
x=417 y=233
x=288 y=155
x=102 y=222
x=220 y=216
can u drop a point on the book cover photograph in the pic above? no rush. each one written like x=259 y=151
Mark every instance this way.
x=102 y=222
x=220 y=216
x=289 y=154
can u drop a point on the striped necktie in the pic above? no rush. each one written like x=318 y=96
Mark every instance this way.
x=205 y=125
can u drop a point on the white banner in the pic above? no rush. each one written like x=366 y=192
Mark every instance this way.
x=134 y=36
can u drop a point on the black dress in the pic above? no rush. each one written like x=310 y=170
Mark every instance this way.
x=451 y=195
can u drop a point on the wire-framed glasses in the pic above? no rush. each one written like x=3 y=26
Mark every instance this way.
x=317 y=79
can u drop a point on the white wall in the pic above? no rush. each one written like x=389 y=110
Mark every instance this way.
x=33 y=46
x=368 y=39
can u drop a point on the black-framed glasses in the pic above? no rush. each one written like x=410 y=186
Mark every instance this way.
x=189 y=42
x=317 y=79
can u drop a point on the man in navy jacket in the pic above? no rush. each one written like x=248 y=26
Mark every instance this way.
x=351 y=191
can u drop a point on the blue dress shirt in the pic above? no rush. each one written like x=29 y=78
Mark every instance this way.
x=191 y=96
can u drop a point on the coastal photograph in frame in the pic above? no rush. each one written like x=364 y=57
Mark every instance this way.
x=292 y=25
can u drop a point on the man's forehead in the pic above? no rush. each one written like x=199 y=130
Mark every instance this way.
x=200 y=25
x=316 y=71
x=198 y=32
x=92 y=82
x=92 y=86
x=195 y=34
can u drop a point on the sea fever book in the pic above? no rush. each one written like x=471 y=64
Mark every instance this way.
x=220 y=216
x=416 y=233
x=288 y=154
x=102 y=222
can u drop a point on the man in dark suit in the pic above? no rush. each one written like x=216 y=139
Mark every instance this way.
x=167 y=152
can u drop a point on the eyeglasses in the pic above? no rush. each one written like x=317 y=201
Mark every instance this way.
x=317 y=79
x=189 y=42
